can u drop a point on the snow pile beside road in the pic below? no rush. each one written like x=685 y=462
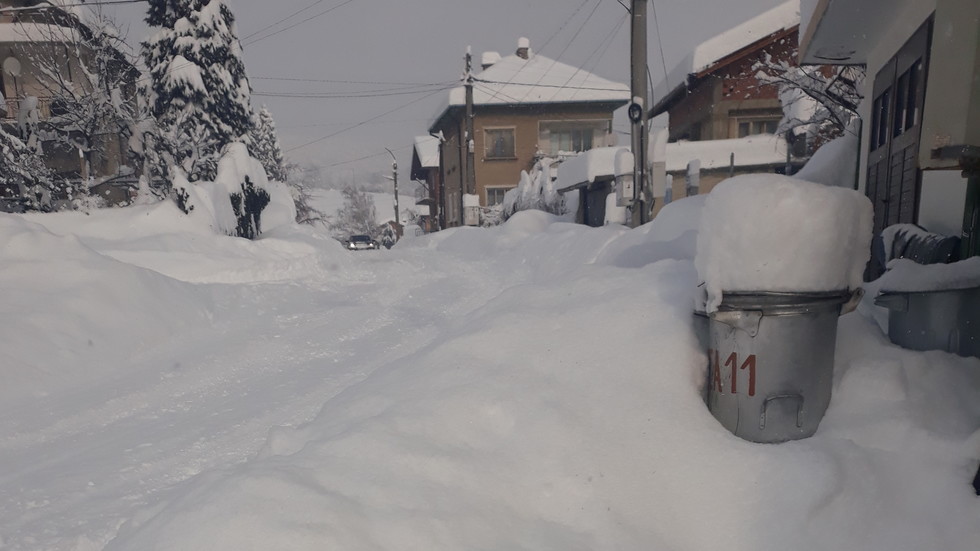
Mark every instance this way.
x=567 y=413
x=537 y=385
x=765 y=232
x=70 y=314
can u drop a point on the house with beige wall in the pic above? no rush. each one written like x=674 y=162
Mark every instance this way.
x=34 y=36
x=525 y=106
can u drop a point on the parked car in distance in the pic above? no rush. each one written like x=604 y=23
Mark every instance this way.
x=361 y=242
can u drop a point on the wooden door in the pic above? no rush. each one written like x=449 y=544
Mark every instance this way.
x=893 y=178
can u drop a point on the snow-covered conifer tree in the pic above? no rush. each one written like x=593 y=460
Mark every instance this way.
x=357 y=216
x=263 y=144
x=198 y=92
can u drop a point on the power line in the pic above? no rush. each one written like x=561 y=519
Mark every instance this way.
x=565 y=49
x=332 y=81
x=348 y=95
x=606 y=41
x=80 y=5
x=378 y=154
x=340 y=123
x=290 y=16
x=660 y=46
x=308 y=19
x=546 y=42
x=564 y=86
x=362 y=123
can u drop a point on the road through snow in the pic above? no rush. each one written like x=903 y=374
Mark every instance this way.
x=76 y=464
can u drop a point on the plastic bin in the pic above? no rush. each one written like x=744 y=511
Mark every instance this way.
x=771 y=362
x=946 y=320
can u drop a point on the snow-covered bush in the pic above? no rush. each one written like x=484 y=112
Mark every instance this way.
x=241 y=200
x=535 y=191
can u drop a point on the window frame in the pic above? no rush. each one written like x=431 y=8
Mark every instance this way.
x=488 y=152
x=488 y=189
x=602 y=126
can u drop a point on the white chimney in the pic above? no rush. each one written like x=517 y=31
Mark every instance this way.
x=523 y=48
x=488 y=59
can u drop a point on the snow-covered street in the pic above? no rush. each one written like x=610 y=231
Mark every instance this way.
x=532 y=386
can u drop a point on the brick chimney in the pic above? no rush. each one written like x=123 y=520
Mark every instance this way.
x=523 y=48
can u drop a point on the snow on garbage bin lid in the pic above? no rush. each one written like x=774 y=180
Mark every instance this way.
x=766 y=232
x=906 y=276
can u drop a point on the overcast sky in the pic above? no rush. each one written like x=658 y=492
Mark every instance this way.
x=401 y=52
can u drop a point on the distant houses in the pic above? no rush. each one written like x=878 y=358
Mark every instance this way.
x=723 y=117
x=525 y=106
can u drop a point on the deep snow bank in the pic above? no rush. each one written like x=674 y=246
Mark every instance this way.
x=70 y=314
x=566 y=413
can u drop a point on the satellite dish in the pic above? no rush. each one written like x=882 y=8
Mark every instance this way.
x=11 y=66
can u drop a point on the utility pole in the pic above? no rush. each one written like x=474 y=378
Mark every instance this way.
x=638 y=88
x=394 y=178
x=470 y=173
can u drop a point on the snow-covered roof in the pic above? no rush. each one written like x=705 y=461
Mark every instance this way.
x=779 y=18
x=427 y=151
x=762 y=149
x=588 y=166
x=536 y=80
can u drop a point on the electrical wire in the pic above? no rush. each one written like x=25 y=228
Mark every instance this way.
x=49 y=5
x=348 y=95
x=562 y=86
x=290 y=16
x=565 y=49
x=660 y=45
x=546 y=42
x=362 y=123
x=294 y=25
x=332 y=81
x=378 y=154
x=603 y=45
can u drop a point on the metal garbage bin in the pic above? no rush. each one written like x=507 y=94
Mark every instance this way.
x=771 y=362
x=946 y=320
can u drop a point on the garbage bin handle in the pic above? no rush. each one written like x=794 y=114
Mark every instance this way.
x=852 y=303
x=898 y=302
x=788 y=396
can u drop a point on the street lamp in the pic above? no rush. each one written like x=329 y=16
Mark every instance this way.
x=394 y=178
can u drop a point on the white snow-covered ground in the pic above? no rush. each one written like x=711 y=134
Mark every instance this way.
x=532 y=386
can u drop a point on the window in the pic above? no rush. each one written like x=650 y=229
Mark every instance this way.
x=574 y=136
x=753 y=127
x=571 y=140
x=495 y=195
x=499 y=143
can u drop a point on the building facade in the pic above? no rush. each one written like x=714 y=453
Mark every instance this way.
x=920 y=153
x=525 y=106
x=44 y=68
